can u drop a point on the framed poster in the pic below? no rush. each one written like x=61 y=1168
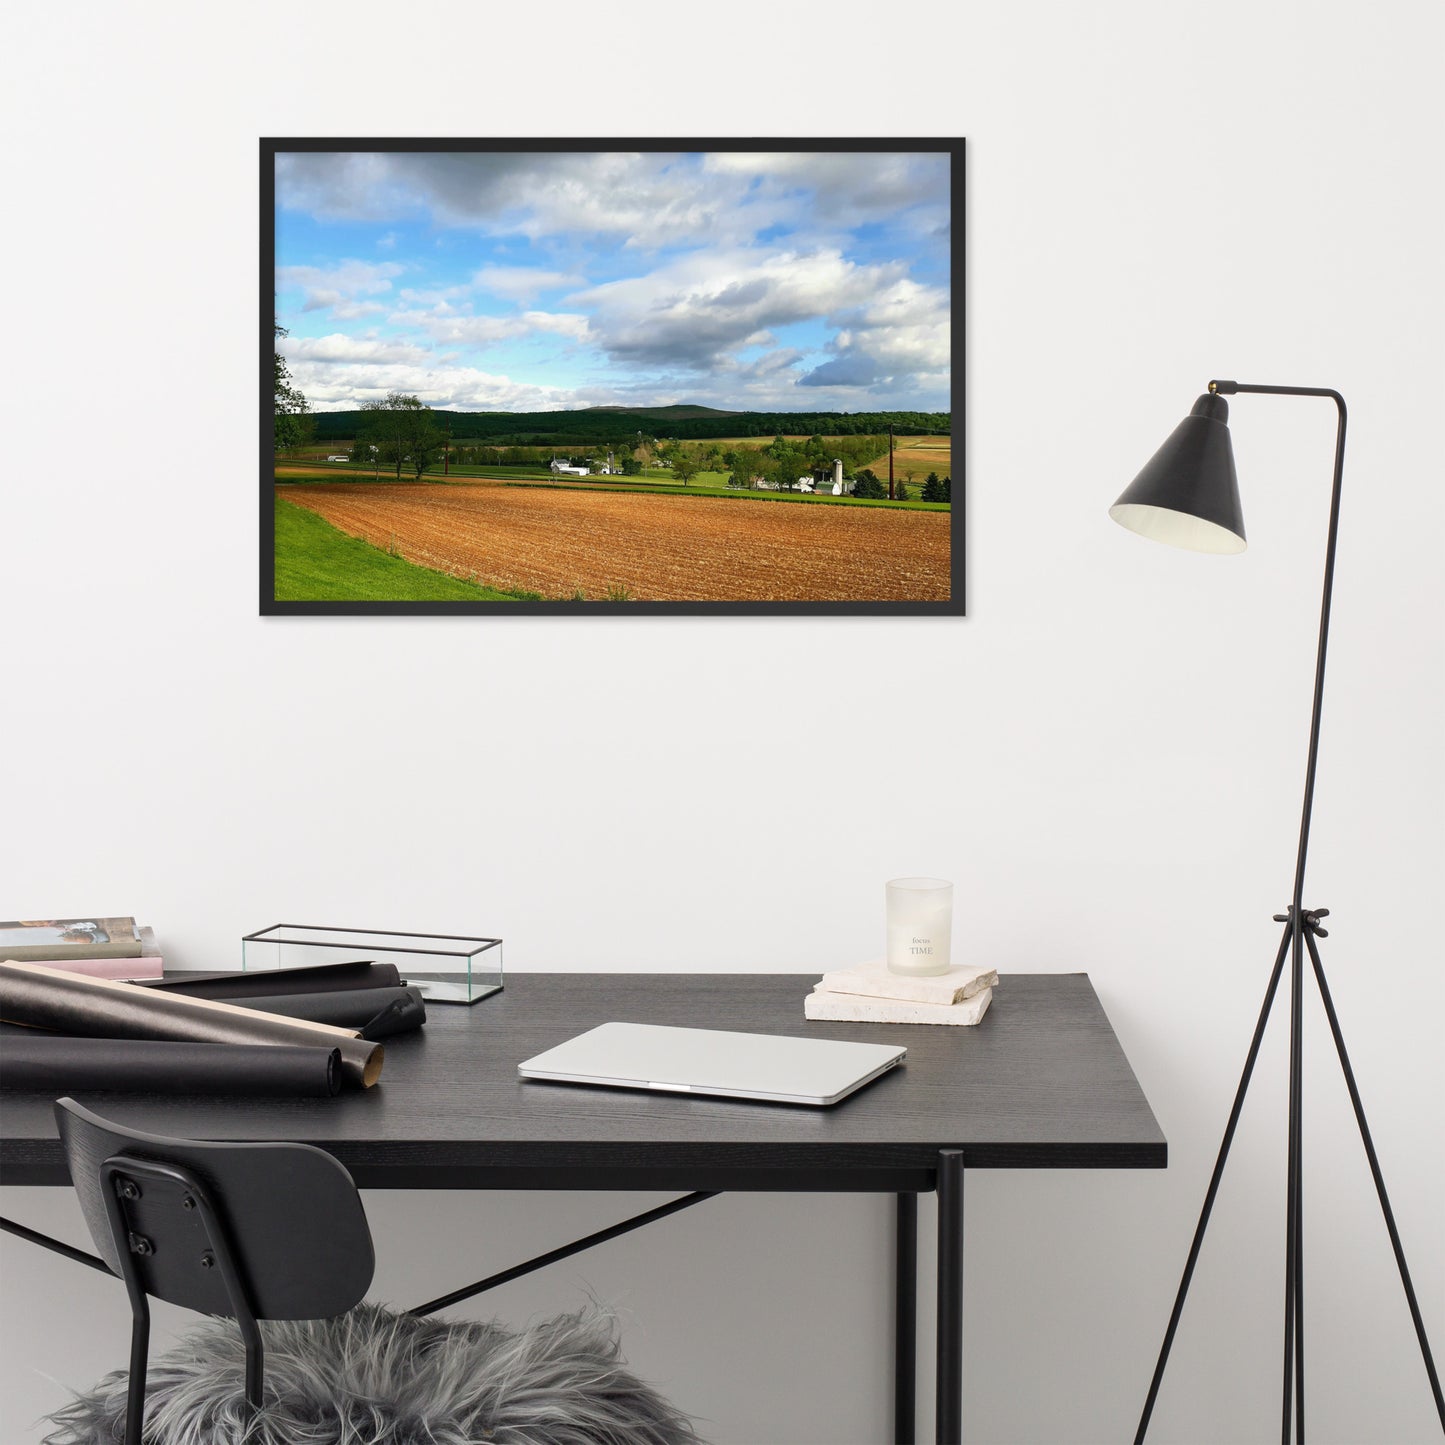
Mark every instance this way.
x=611 y=376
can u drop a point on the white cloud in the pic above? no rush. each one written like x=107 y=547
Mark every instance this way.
x=343 y=386
x=331 y=287
x=648 y=199
x=452 y=328
x=439 y=298
x=341 y=309
x=902 y=332
x=845 y=187
x=522 y=283
x=353 y=349
x=698 y=312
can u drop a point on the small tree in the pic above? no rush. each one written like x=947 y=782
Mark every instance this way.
x=631 y=466
x=933 y=488
x=783 y=471
x=901 y=492
x=745 y=463
x=426 y=446
x=868 y=487
x=684 y=466
x=948 y=489
x=402 y=430
x=293 y=426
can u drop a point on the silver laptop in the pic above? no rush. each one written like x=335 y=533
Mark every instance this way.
x=711 y=1061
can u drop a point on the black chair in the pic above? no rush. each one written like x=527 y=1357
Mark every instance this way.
x=277 y=1232
x=247 y=1231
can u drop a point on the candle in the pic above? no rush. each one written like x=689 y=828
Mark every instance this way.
x=920 y=925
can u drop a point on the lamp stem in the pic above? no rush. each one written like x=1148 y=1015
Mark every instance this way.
x=1228 y=388
x=1319 y=693
x=1294 y=1391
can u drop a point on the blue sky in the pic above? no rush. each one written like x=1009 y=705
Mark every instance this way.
x=796 y=281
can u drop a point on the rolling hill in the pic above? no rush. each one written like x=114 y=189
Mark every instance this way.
x=681 y=412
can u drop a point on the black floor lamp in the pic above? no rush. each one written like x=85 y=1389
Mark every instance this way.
x=1187 y=496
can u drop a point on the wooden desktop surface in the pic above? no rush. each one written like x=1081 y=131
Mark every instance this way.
x=1041 y=1082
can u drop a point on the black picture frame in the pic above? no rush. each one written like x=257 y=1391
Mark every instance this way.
x=954 y=606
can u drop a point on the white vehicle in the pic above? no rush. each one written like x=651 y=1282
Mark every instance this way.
x=338 y=459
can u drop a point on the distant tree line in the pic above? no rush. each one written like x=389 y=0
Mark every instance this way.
x=402 y=434
x=603 y=426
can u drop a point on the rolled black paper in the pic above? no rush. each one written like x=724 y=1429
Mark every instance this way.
x=271 y=982
x=351 y=1008
x=395 y=1018
x=101 y=1008
x=56 y=1065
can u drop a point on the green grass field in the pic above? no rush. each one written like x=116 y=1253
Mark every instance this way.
x=651 y=479
x=716 y=484
x=705 y=484
x=737 y=494
x=316 y=563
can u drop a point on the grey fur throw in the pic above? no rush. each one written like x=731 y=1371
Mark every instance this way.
x=371 y=1377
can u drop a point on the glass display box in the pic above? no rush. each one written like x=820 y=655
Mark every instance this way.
x=448 y=968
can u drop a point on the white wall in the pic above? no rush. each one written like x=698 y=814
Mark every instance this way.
x=1156 y=196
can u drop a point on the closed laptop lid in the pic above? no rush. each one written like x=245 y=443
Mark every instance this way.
x=714 y=1061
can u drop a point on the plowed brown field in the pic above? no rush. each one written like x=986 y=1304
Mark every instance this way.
x=657 y=548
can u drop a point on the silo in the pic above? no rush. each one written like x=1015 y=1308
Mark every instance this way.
x=838 y=477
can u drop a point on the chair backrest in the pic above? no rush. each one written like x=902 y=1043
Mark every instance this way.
x=285 y=1218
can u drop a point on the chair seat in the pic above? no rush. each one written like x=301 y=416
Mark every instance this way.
x=372 y=1377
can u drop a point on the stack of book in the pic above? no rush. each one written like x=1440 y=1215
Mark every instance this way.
x=95 y=947
x=869 y=993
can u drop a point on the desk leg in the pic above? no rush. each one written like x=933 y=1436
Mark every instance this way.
x=950 y=1298
x=905 y=1321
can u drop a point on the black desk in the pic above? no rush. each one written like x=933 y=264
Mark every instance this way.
x=1041 y=1083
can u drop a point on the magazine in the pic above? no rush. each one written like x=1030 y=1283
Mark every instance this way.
x=44 y=938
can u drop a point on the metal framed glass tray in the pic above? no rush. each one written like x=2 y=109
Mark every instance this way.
x=448 y=968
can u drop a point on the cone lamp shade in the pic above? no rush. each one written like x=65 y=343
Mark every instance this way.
x=1188 y=494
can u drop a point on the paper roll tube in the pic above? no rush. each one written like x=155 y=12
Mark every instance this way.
x=102 y=1008
x=55 y=1064
x=271 y=982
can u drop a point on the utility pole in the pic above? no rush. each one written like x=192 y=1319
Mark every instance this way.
x=447 y=453
x=890 y=463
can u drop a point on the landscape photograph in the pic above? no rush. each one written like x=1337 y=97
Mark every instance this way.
x=530 y=376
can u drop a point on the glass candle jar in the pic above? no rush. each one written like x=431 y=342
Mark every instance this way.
x=920 y=925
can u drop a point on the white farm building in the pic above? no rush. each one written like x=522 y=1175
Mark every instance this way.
x=567 y=469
